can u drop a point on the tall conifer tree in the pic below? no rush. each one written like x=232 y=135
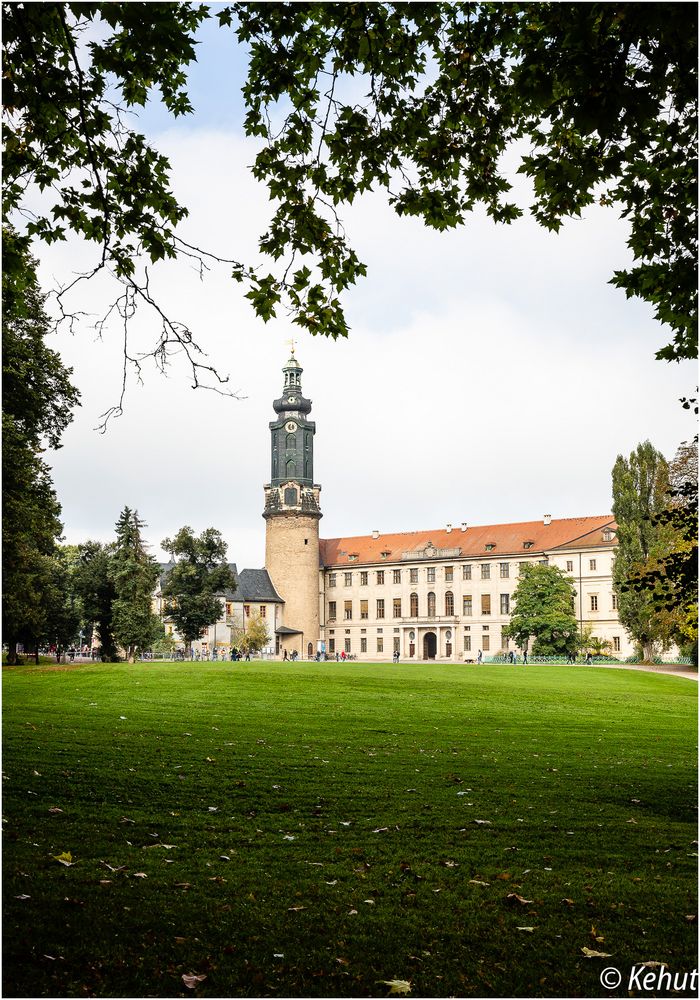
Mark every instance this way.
x=134 y=573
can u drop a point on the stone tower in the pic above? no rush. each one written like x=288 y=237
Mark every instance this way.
x=292 y=513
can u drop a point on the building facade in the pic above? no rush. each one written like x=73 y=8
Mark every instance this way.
x=443 y=594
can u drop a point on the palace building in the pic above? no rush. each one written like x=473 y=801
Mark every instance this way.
x=443 y=594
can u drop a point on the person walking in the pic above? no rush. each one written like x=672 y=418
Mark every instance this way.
x=479 y=657
x=525 y=658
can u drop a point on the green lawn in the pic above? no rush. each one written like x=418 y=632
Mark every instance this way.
x=317 y=829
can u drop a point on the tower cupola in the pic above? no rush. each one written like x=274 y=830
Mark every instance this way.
x=292 y=433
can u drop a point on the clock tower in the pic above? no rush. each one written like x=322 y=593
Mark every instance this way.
x=292 y=512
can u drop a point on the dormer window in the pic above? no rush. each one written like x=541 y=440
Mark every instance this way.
x=490 y=546
x=385 y=555
x=607 y=534
x=352 y=557
x=528 y=545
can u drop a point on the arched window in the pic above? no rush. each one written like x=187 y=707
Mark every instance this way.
x=291 y=469
x=449 y=603
x=414 y=605
x=291 y=442
x=431 y=604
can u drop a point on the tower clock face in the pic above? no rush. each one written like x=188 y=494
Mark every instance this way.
x=292 y=399
x=290 y=426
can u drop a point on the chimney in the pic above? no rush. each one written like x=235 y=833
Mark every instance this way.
x=464 y=525
x=375 y=533
x=547 y=519
x=448 y=528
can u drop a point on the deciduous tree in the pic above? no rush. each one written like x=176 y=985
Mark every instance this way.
x=544 y=601
x=199 y=573
x=94 y=584
x=250 y=636
x=596 y=102
x=37 y=403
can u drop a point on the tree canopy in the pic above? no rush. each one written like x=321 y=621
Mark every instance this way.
x=134 y=572
x=544 y=603
x=598 y=103
x=640 y=494
x=37 y=402
x=191 y=585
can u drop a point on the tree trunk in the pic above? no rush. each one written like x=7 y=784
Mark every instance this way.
x=12 y=654
x=648 y=650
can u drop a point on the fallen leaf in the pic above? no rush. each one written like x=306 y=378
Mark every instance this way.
x=653 y=965
x=530 y=930
x=513 y=897
x=483 y=822
x=23 y=896
x=295 y=909
x=370 y=902
x=55 y=809
x=190 y=979
x=476 y=881
x=65 y=858
x=569 y=902
x=140 y=875
x=381 y=829
x=589 y=953
x=396 y=986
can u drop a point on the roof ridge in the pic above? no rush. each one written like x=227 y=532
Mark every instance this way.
x=457 y=530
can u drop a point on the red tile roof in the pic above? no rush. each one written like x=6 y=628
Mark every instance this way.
x=507 y=539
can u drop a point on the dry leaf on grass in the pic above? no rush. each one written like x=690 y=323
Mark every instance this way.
x=190 y=979
x=589 y=953
x=396 y=986
x=530 y=930
x=65 y=858
x=513 y=897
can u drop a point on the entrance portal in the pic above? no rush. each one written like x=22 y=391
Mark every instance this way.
x=429 y=646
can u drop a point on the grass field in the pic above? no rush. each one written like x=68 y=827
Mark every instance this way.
x=320 y=829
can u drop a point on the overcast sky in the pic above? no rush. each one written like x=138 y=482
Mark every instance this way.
x=491 y=374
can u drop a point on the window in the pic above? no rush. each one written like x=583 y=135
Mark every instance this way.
x=431 y=605
x=489 y=546
x=414 y=575
x=607 y=534
x=331 y=645
x=467 y=644
x=348 y=611
x=331 y=579
x=544 y=562
x=467 y=572
x=616 y=643
x=591 y=564
x=505 y=604
x=364 y=609
x=504 y=641
x=332 y=611
x=380 y=607
x=363 y=644
x=486 y=643
x=348 y=645
x=414 y=606
x=363 y=578
x=263 y=610
x=348 y=579
x=380 y=643
x=467 y=605
x=486 y=571
x=504 y=570
x=528 y=545
x=614 y=602
x=594 y=602
x=449 y=603
x=397 y=607
x=380 y=576
x=430 y=574
x=397 y=645
x=397 y=575
x=486 y=604
x=569 y=566
x=449 y=574
x=448 y=649
x=246 y=610
x=229 y=608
